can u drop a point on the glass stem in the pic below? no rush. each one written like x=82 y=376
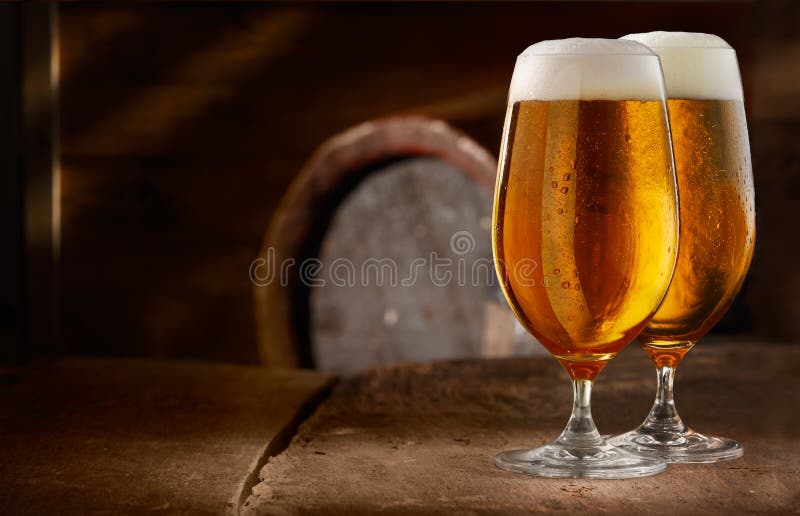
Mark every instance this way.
x=663 y=417
x=580 y=431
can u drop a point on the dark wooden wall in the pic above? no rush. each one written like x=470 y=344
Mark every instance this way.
x=182 y=124
x=12 y=299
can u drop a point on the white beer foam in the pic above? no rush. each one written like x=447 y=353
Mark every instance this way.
x=586 y=69
x=696 y=65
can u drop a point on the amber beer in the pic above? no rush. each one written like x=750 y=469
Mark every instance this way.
x=715 y=185
x=587 y=274
x=712 y=159
x=585 y=225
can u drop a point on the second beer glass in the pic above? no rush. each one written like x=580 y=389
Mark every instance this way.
x=715 y=182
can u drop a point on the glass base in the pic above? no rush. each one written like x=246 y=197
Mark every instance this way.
x=600 y=461
x=685 y=446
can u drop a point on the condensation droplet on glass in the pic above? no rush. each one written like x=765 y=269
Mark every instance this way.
x=565 y=284
x=567 y=176
x=556 y=271
x=564 y=189
x=555 y=184
x=577 y=286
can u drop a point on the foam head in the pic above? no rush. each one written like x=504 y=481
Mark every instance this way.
x=696 y=65
x=586 y=69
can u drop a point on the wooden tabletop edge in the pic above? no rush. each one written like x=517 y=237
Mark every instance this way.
x=277 y=444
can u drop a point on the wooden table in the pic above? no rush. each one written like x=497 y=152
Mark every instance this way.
x=420 y=438
x=136 y=436
x=141 y=437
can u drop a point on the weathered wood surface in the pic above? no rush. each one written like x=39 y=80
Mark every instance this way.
x=392 y=311
x=132 y=437
x=407 y=273
x=420 y=438
x=296 y=231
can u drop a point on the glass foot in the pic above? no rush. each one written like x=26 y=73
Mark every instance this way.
x=599 y=461
x=684 y=446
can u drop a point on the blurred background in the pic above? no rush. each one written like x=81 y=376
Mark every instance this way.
x=145 y=147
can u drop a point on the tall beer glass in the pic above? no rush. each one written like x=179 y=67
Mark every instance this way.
x=585 y=228
x=715 y=183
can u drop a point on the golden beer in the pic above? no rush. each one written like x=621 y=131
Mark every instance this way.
x=585 y=225
x=712 y=160
x=715 y=186
x=584 y=233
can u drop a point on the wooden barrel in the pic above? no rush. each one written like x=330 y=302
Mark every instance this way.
x=380 y=252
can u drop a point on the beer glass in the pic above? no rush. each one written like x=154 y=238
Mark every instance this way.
x=717 y=233
x=585 y=228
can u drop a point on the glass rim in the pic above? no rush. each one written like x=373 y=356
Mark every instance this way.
x=578 y=54
x=723 y=49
